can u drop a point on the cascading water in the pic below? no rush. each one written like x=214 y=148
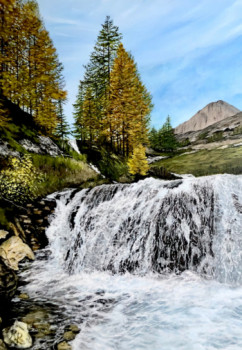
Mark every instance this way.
x=152 y=265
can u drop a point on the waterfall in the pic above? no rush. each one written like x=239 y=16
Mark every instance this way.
x=141 y=265
x=152 y=226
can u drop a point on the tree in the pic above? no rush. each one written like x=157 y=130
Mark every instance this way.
x=164 y=139
x=167 y=139
x=138 y=164
x=63 y=128
x=129 y=106
x=30 y=74
x=97 y=82
x=153 y=138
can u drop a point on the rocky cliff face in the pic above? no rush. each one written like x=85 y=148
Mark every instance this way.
x=212 y=113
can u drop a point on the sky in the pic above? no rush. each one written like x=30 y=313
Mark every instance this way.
x=188 y=52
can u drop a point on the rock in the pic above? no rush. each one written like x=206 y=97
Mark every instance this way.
x=63 y=346
x=13 y=251
x=35 y=317
x=8 y=283
x=73 y=328
x=17 y=336
x=3 y=234
x=6 y=150
x=2 y=345
x=23 y=296
x=69 y=335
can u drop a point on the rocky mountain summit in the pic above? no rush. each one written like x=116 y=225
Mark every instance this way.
x=210 y=114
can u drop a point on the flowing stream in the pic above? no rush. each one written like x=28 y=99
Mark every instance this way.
x=154 y=265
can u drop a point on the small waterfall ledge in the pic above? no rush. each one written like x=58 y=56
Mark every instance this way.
x=151 y=226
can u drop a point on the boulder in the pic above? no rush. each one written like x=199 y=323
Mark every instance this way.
x=17 y=336
x=13 y=251
x=3 y=234
x=8 y=283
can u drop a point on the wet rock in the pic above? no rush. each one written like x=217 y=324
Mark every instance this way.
x=23 y=296
x=63 y=346
x=73 y=328
x=69 y=335
x=35 y=317
x=3 y=234
x=2 y=345
x=13 y=251
x=8 y=283
x=17 y=336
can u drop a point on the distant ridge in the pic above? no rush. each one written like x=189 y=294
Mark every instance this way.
x=210 y=114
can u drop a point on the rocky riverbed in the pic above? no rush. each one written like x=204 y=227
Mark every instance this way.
x=22 y=321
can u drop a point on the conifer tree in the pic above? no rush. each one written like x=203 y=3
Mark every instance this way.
x=31 y=74
x=167 y=139
x=97 y=78
x=63 y=128
x=129 y=106
x=164 y=139
x=138 y=164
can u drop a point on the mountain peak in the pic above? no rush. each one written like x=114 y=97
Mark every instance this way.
x=210 y=114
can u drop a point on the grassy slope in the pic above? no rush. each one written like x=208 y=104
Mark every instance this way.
x=205 y=162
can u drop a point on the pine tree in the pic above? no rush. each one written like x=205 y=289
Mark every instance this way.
x=79 y=130
x=97 y=79
x=153 y=138
x=63 y=128
x=167 y=140
x=138 y=164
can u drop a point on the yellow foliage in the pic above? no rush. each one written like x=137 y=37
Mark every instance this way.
x=138 y=164
x=18 y=181
x=31 y=74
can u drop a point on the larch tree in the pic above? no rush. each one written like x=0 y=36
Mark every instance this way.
x=31 y=74
x=129 y=106
x=138 y=164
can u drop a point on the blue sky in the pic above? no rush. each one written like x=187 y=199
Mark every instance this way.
x=188 y=52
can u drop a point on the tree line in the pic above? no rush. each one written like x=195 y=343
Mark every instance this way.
x=30 y=71
x=113 y=106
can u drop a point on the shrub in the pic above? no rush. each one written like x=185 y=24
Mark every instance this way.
x=18 y=180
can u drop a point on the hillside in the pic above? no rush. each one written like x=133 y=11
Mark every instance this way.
x=210 y=114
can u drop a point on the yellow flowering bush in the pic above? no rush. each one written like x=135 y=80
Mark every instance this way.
x=18 y=182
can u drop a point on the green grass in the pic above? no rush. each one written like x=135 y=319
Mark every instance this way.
x=60 y=172
x=206 y=162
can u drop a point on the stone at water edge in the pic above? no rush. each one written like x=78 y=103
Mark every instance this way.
x=8 y=283
x=17 y=336
x=73 y=328
x=69 y=336
x=23 y=296
x=13 y=251
x=63 y=346
x=2 y=345
x=3 y=234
